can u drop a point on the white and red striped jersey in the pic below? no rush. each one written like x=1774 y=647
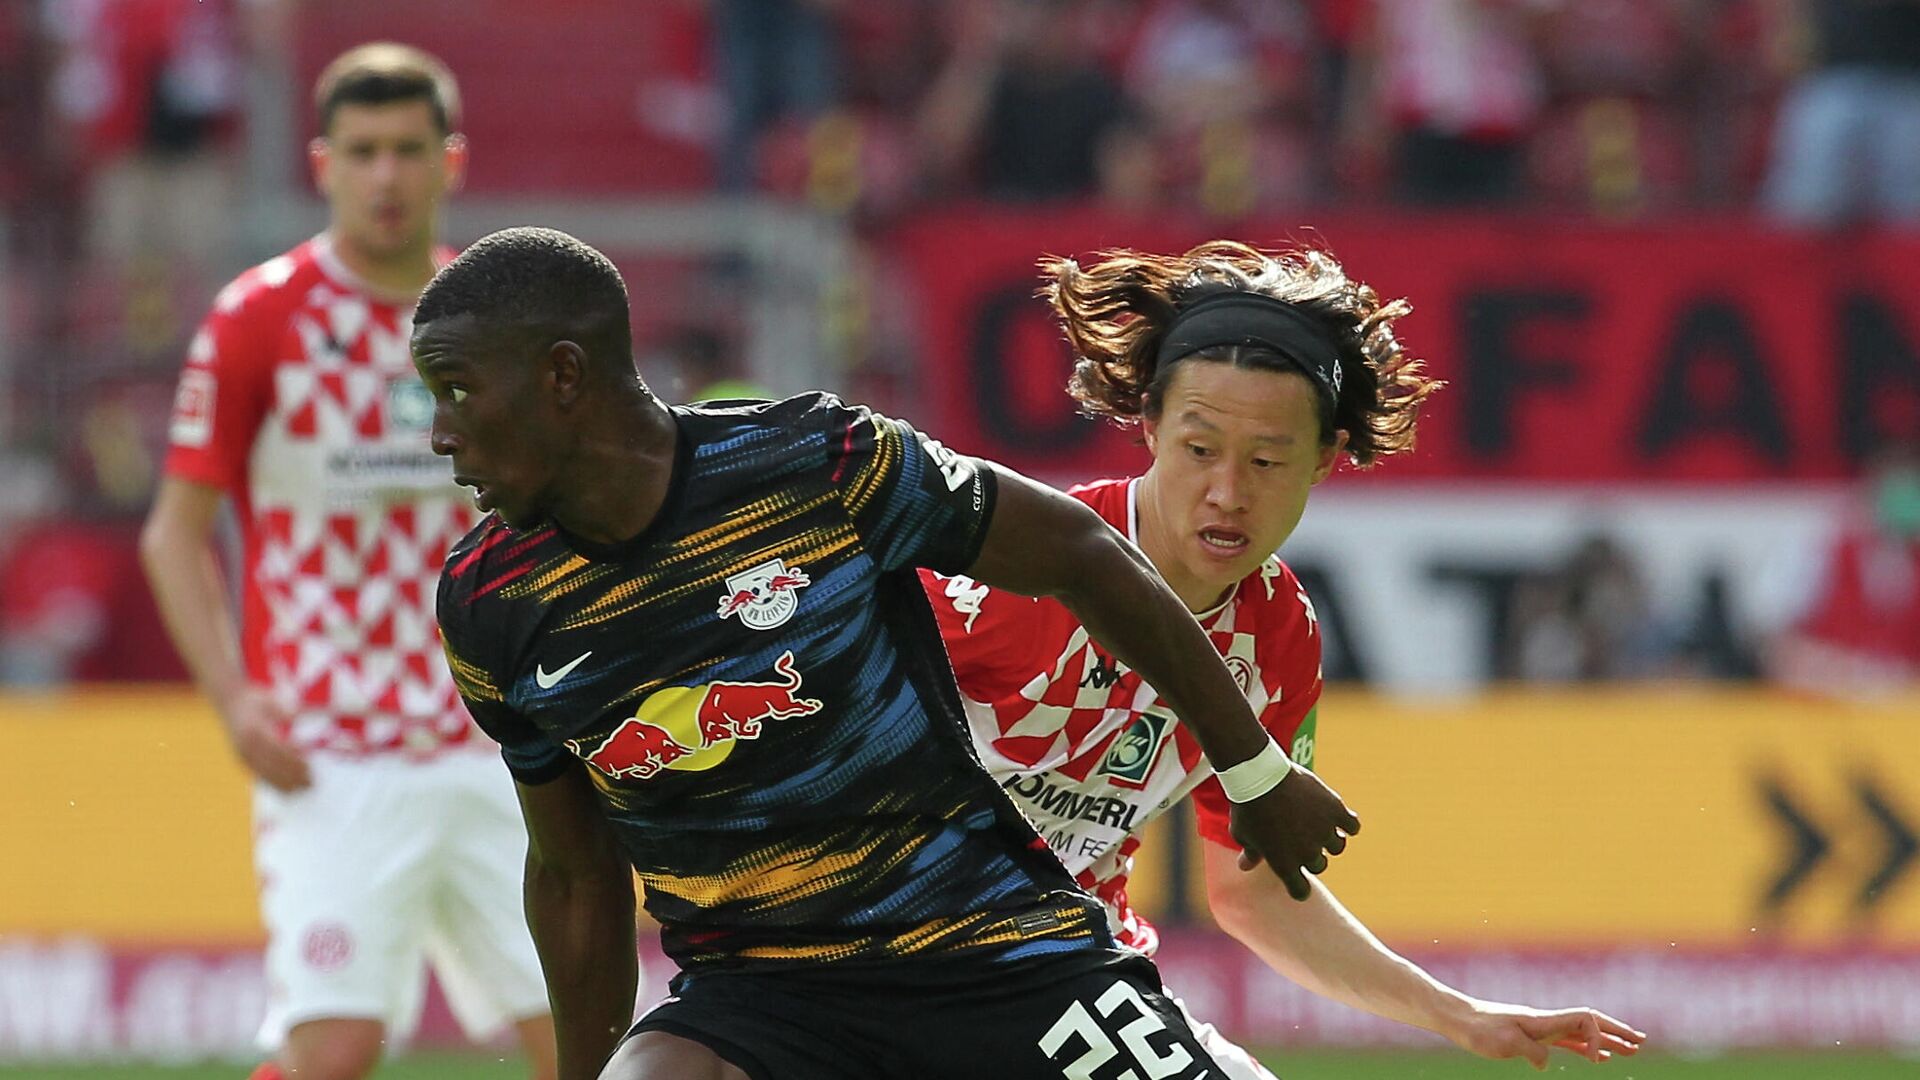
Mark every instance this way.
x=1084 y=746
x=299 y=399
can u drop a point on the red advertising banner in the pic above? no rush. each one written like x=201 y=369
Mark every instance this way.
x=1700 y=352
x=81 y=1000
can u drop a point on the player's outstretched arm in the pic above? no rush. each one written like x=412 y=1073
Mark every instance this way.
x=579 y=895
x=1324 y=948
x=1043 y=543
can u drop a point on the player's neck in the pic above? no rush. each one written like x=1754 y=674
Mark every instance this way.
x=624 y=475
x=402 y=274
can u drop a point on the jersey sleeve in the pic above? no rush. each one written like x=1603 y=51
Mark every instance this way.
x=223 y=394
x=530 y=755
x=913 y=501
x=1211 y=810
x=993 y=637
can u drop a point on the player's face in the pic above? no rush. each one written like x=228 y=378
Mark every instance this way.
x=490 y=417
x=1235 y=452
x=384 y=170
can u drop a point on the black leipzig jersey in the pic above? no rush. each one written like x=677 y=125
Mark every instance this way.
x=758 y=688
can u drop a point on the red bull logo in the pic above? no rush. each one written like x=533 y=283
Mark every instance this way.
x=765 y=596
x=694 y=728
x=635 y=751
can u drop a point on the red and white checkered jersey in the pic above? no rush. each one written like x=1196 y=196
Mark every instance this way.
x=299 y=399
x=1084 y=746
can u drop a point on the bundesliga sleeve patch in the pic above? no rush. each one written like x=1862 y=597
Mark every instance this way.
x=192 y=422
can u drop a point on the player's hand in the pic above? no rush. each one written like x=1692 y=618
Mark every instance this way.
x=1294 y=827
x=1499 y=1031
x=254 y=726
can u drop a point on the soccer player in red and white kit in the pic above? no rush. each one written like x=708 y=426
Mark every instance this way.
x=1249 y=374
x=386 y=830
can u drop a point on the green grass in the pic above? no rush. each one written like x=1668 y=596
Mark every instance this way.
x=1446 y=1066
x=1290 y=1066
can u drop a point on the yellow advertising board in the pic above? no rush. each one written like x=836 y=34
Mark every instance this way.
x=127 y=818
x=1580 y=818
x=1590 y=817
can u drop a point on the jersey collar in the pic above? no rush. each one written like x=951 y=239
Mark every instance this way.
x=336 y=269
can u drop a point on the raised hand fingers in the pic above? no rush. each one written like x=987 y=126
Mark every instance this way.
x=273 y=761
x=1590 y=1029
x=1295 y=881
x=1588 y=1032
x=1625 y=1034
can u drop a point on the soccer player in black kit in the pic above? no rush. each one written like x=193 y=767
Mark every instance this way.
x=697 y=634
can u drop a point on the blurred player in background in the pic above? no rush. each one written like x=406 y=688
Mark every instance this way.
x=1852 y=610
x=697 y=634
x=385 y=832
x=1250 y=375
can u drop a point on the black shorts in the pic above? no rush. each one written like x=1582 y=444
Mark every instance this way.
x=1082 y=1014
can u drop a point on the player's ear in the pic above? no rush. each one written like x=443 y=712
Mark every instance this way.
x=320 y=161
x=1329 y=454
x=1150 y=430
x=455 y=161
x=566 y=369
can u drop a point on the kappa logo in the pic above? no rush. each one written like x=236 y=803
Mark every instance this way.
x=765 y=596
x=967 y=596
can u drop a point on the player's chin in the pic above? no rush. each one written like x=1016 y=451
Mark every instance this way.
x=516 y=515
x=392 y=234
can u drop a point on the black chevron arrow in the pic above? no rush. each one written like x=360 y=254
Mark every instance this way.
x=1902 y=845
x=1809 y=844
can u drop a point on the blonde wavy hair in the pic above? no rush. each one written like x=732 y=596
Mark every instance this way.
x=1116 y=310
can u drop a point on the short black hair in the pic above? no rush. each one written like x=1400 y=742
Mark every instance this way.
x=385 y=72
x=538 y=281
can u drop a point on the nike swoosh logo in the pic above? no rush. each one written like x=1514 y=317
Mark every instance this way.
x=547 y=681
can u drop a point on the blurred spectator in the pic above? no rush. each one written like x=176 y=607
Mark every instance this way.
x=1449 y=91
x=19 y=119
x=1731 y=113
x=146 y=90
x=1621 y=73
x=72 y=602
x=778 y=60
x=1847 y=145
x=859 y=156
x=1023 y=103
x=1589 y=618
x=72 y=607
x=1858 y=630
x=1227 y=88
x=1131 y=170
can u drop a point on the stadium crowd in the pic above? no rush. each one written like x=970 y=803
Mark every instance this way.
x=131 y=128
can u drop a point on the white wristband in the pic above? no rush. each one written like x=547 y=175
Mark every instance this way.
x=1257 y=775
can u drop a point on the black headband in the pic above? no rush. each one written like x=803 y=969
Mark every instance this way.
x=1244 y=318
